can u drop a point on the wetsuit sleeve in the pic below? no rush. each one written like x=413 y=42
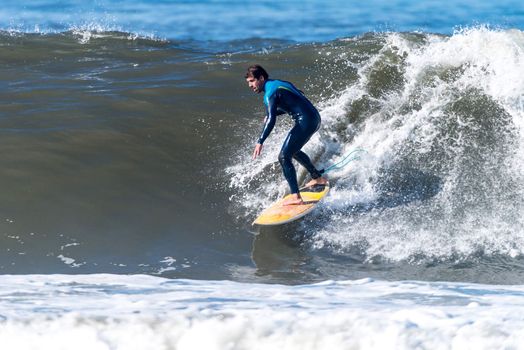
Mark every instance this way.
x=270 y=119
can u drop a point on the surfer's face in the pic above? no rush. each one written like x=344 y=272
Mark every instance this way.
x=257 y=85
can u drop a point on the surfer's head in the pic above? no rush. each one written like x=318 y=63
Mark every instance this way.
x=256 y=78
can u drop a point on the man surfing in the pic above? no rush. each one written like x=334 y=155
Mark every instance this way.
x=283 y=97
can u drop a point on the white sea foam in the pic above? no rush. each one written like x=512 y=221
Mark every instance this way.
x=144 y=312
x=490 y=61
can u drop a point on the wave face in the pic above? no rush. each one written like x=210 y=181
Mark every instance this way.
x=130 y=154
x=441 y=120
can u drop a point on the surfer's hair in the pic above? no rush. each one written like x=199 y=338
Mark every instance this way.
x=256 y=71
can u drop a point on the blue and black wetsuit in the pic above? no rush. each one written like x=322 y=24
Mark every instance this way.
x=283 y=97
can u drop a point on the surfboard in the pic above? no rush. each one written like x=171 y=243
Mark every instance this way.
x=278 y=214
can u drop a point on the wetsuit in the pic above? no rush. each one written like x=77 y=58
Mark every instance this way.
x=283 y=97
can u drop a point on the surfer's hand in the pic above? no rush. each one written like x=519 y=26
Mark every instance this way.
x=257 y=151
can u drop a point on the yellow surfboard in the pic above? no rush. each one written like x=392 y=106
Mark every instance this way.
x=278 y=214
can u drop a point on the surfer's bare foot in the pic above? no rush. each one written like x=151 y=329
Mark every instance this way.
x=318 y=181
x=294 y=199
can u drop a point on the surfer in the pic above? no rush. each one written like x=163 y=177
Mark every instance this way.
x=283 y=97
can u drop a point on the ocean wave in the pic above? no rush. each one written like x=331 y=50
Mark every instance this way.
x=82 y=33
x=140 y=312
x=441 y=120
x=439 y=116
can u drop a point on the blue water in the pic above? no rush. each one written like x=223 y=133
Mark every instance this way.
x=310 y=20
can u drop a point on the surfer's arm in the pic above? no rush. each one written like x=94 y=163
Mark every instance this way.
x=270 y=119
x=268 y=126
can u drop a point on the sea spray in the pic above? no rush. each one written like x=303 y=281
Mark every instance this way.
x=441 y=120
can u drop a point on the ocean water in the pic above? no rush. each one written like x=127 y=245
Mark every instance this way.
x=129 y=188
x=144 y=312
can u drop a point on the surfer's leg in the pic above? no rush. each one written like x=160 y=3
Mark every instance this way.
x=285 y=156
x=295 y=140
x=304 y=160
x=316 y=175
x=305 y=131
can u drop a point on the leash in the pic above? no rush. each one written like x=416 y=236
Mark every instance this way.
x=348 y=158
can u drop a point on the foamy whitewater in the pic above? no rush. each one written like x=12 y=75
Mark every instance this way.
x=144 y=312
